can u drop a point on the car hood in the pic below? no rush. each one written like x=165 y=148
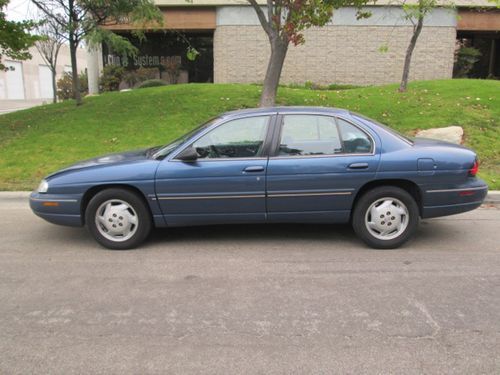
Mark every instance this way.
x=109 y=159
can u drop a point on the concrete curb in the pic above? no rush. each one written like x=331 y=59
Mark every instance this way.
x=492 y=198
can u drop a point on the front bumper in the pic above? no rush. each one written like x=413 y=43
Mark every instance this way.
x=62 y=209
x=450 y=200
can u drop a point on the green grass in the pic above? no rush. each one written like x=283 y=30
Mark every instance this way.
x=37 y=141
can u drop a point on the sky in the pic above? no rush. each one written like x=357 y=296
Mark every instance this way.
x=18 y=10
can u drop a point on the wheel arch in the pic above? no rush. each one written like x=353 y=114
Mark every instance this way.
x=407 y=185
x=91 y=192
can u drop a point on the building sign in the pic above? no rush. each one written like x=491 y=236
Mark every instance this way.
x=143 y=60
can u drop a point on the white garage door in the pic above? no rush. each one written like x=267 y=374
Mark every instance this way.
x=15 y=82
x=45 y=77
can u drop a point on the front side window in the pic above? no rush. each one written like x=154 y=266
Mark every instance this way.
x=242 y=138
x=309 y=135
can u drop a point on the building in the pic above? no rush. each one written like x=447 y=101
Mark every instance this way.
x=234 y=48
x=31 y=80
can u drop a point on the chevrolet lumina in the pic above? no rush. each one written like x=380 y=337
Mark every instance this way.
x=268 y=165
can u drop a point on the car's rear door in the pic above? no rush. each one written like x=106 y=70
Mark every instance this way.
x=226 y=184
x=319 y=163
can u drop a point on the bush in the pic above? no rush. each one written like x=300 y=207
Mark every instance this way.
x=152 y=83
x=133 y=77
x=112 y=76
x=65 y=86
x=465 y=58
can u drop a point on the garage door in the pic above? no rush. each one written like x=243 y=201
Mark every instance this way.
x=15 y=83
x=45 y=77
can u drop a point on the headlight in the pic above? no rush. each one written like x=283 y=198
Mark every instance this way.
x=43 y=187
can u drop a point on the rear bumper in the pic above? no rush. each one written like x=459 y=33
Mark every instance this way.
x=57 y=208
x=443 y=201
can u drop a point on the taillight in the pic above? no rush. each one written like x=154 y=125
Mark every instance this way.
x=474 y=169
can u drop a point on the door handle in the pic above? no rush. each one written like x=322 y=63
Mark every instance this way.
x=254 y=168
x=358 y=166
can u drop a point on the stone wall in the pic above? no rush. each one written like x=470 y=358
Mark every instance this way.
x=347 y=51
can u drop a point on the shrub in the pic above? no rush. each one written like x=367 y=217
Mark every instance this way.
x=111 y=77
x=65 y=86
x=465 y=58
x=133 y=77
x=152 y=83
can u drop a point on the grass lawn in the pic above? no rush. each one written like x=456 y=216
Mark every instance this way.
x=37 y=141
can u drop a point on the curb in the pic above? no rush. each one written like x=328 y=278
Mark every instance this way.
x=493 y=196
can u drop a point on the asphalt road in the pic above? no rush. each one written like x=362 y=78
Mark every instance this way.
x=250 y=299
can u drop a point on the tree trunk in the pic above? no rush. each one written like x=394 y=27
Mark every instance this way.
x=273 y=73
x=409 y=53
x=54 y=85
x=74 y=71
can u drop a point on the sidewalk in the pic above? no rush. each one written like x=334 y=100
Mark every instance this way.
x=492 y=198
x=7 y=106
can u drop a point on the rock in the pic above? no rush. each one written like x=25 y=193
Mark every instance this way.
x=453 y=134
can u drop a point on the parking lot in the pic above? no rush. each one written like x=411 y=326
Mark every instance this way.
x=250 y=299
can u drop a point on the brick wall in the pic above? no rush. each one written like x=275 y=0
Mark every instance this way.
x=335 y=54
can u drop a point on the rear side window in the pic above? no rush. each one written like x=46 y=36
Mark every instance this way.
x=354 y=140
x=303 y=135
x=309 y=135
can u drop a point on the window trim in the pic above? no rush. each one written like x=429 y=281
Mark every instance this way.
x=280 y=123
x=265 y=146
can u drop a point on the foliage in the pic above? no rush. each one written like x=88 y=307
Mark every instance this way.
x=465 y=58
x=284 y=23
x=39 y=140
x=82 y=20
x=111 y=77
x=15 y=37
x=65 y=86
x=173 y=68
x=48 y=46
x=151 y=83
x=133 y=77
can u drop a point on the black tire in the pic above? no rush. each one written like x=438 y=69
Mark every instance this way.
x=364 y=204
x=138 y=210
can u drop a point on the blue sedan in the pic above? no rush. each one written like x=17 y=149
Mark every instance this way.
x=268 y=165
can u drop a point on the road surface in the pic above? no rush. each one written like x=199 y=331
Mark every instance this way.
x=284 y=299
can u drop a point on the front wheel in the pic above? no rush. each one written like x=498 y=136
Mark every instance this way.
x=385 y=217
x=118 y=219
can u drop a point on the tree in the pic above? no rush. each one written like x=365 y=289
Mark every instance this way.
x=15 y=37
x=284 y=24
x=83 y=20
x=415 y=13
x=49 y=46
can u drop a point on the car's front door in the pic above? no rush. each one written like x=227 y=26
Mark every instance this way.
x=319 y=163
x=225 y=184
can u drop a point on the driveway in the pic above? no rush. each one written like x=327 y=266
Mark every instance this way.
x=250 y=299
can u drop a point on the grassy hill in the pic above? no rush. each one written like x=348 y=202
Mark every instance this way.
x=37 y=141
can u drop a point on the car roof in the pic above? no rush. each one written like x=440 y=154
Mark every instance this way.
x=284 y=109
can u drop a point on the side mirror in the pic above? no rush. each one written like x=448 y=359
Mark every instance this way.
x=188 y=155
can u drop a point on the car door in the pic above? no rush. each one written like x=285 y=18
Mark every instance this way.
x=226 y=183
x=319 y=163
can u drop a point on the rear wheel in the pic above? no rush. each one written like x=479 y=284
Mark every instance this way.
x=385 y=217
x=118 y=219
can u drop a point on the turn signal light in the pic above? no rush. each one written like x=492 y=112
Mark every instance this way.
x=50 y=204
x=474 y=169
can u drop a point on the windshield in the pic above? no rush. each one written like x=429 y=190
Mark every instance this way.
x=385 y=127
x=168 y=148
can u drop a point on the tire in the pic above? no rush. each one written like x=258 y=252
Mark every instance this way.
x=382 y=224
x=118 y=219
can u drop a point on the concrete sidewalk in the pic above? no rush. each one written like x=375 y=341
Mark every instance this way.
x=7 y=106
x=492 y=198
